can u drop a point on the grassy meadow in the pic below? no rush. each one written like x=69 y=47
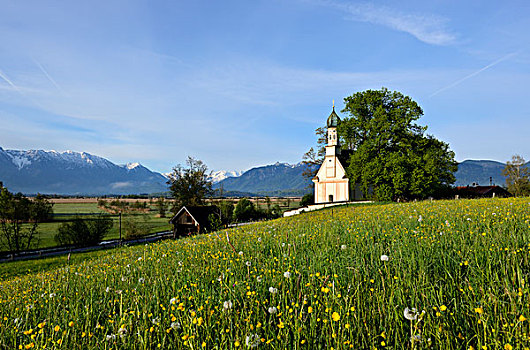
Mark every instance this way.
x=426 y=275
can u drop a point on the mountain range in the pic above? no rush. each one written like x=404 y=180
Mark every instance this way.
x=80 y=173
x=74 y=173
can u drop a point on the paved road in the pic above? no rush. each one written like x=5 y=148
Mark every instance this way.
x=42 y=253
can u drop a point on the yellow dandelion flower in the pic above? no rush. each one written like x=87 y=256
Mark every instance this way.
x=443 y=307
x=508 y=347
x=57 y=328
x=522 y=318
x=335 y=316
x=71 y=324
x=237 y=343
x=479 y=310
x=310 y=309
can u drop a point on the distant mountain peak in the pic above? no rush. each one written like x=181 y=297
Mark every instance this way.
x=72 y=173
x=131 y=166
x=218 y=176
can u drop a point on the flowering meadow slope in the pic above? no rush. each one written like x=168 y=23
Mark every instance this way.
x=441 y=275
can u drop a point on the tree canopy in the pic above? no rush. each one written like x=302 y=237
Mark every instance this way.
x=20 y=218
x=190 y=185
x=392 y=156
x=517 y=176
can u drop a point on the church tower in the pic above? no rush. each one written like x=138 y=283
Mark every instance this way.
x=331 y=183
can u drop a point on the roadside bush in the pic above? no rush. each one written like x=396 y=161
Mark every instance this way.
x=244 y=210
x=84 y=232
x=134 y=227
x=227 y=212
x=307 y=199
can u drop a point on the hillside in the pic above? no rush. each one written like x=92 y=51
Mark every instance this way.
x=373 y=276
x=74 y=173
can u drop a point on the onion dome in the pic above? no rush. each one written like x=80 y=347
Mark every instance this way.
x=333 y=119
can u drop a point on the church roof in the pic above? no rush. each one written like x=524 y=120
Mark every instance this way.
x=333 y=119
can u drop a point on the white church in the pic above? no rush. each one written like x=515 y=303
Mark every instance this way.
x=331 y=183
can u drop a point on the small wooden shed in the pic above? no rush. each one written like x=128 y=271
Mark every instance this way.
x=191 y=220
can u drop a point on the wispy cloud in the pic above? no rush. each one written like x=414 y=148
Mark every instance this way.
x=45 y=72
x=504 y=58
x=7 y=80
x=427 y=28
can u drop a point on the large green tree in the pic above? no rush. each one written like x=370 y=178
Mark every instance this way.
x=392 y=156
x=19 y=219
x=190 y=185
x=517 y=176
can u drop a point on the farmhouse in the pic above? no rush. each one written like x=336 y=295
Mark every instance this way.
x=331 y=183
x=191 y=220
x=481 y=191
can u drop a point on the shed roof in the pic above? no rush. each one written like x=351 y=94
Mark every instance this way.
x=198 y=213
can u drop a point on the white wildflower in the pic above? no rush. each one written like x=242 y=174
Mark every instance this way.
x=343 y=247
x=415 y=338
x=384 y=257
x=140 y=258
x=259 y=278
x=111 y=337
x=273 y=290
x=252 y=340
x=287 y=274
x=141 y=280
x=420 y=219
x=447 y=223
x=52 y=295
x=248 y=263
x=122 y=332
x=180 y=263
x=107 y=289
x=173 y=301
x=175 y=325
x=227 y=305
x=259 y=239
x=155 y=321
x=240 y=252
x=273 y=310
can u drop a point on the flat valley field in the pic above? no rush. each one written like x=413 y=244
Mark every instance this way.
x=425 y=275
x=66 y=210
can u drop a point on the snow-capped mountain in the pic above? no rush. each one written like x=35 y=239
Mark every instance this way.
x=220 y=175
x=274 y=179
x=71 y=173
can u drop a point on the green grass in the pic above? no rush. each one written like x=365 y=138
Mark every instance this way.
x=310 y=281
x=76 y=208
x=47 y=230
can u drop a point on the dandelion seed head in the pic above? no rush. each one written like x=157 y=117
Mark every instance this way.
x=227 y=305
x=411 y=314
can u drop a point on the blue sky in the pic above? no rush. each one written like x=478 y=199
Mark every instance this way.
x=245 y=83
